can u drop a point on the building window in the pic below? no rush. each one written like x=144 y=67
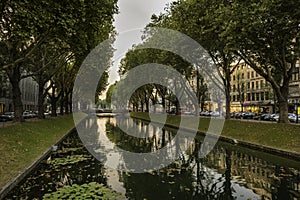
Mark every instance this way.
x=257 y=96
x=261 y=84
x=234 y=88
x=267 y=95
x=248 y=85
x=253 y=96
x=252 y=85
x=248 y=75
x=252 y=74
x=233 y=77
x=243 y=76
x=295 y=76
x=248 y=97
x=256 y=84
x=262 y=96
x=233 y=97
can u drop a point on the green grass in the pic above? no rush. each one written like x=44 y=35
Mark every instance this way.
x=22 y=143
x=280 y=136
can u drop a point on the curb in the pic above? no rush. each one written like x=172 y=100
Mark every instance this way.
x=278 y=152
x=13 y=182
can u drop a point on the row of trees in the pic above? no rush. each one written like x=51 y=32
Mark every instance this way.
x=151 y=93
x=264 y=34
x=48 y=40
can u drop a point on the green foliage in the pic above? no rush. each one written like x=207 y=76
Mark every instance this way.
x=265 y=34
x=279 y=136
x=41 y=37
x=91 y=190
x=23 y=143
x=69 y=160
x=109 y=92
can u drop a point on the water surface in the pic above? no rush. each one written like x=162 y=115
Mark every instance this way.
x=228 y=172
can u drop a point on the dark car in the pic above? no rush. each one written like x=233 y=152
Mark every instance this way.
x=9 y=116
x=3 y=118
x=248 y=115
x=259 y=116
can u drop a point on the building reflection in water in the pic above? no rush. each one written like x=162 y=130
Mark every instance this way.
x=228 y=172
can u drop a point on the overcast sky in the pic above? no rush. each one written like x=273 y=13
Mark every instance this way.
x=133 y=16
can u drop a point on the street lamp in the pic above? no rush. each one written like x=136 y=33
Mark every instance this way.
x=296 y=108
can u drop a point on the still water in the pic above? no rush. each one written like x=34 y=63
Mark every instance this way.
x=227 y=172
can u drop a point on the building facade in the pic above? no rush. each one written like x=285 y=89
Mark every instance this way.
x=251 y=92
x=29 y=92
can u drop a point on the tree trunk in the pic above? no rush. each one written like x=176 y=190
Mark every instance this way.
x=53 y=107
x=62 y=99
x=283 y=112
x=17 y=100
x=227 y=105
x=163 y=102
x=177 y=107
x=54 y=100
x=227 y=91
x=198 y=87
x=66 y=104
x=283 y=102
x=70 y=103
x=41 y=96
x=15 y=78
x=227 y=183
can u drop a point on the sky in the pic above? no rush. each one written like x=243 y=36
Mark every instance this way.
x=133 y=16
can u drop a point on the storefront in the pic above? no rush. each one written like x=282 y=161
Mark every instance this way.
x=236 y=107
x=259 y=107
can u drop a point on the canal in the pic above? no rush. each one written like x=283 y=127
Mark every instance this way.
x=227 y=172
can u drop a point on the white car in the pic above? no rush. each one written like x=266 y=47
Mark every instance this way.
x=293 y=117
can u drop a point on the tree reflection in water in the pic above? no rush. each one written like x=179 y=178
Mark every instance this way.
x=63 y=167
x=228 y=172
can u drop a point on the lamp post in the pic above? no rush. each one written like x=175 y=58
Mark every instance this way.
x=296 y=108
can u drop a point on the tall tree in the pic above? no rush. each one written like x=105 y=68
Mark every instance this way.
x=265 y=34
x=26 y=25
x=195 y=18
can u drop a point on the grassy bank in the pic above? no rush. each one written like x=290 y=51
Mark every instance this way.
x=21 y=144
x=280 y=136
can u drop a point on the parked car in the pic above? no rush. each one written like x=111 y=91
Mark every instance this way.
x=275 y=116
x=215 y=114
x=232 y=114
x=293 y=117
x=47 y=114
x=187 y=113
x=9 y=116
x=239 y=115
x=259 y=117
x=26 y=115
x=248 y=115
x=269 y=117
x=205 y=113
x=3 y=118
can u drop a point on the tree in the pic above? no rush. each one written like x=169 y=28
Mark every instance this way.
x=109 y=92
x=195 y=18
x=138 y=56
x=25 y=26
x=265 y=34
